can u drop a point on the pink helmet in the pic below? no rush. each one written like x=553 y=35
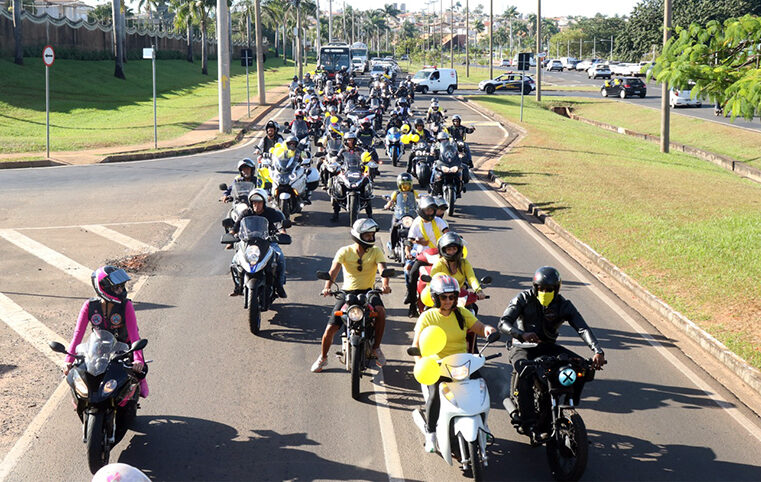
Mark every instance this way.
x=119 y=472
x=105 y=279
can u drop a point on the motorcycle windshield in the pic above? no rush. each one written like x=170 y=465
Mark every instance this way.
x=252 y=227
x=300 y=129
x=241 y=189
x=98 y=351
x=285 y=166
x=353 y=162
x=449 y=155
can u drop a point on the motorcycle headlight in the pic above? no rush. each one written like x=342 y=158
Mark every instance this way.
x=109 y=386
x=80 y=386
x=459 y=373
x=253 y=253
x=407 y=221
x=355 y=313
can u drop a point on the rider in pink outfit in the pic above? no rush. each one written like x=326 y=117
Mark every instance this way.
x=111 y=311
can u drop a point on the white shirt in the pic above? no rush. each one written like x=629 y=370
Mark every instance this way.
x=415 y=232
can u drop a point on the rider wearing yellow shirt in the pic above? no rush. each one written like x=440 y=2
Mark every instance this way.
x=453 y=263
x=456 y=323
x=358 y=262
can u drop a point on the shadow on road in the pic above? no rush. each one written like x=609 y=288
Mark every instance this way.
x=174 y=448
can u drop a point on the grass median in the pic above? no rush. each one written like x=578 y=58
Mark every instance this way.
x=741 y=145
x=686 y=229
x=90 y=108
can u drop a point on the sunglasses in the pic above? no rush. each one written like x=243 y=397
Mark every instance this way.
x=546 y=289
x=359 y=264
x=448 y=297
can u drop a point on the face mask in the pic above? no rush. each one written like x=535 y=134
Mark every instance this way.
x=545 y=298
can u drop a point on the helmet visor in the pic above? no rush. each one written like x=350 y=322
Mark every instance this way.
x=117 y=277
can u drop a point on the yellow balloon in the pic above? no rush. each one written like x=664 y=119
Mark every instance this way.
x=433 y=339
x=405 y=139
x=415 y=137
x=426 y=371
x=333 y=120
x=425 y=296
x=464 y=251
x=366 y=157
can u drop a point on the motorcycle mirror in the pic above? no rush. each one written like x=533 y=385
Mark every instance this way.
x=413 y=351
x=228 y=223
x=227 y=238
x=57 y=347
x=323 y=275
x=486 y=280
x=223 y=187
x=283 y=238
x=320 y=154
x=139 y=345
x=388 y=273
x=445 y=110
x=287 y=223
x=425 y=278
x=493 y=337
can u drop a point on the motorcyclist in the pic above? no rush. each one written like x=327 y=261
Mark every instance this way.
x=444 y=143
x=453 y=263
x=366 y=136
x=294 y=83
x=358 y=262
x=405 y=197
x=298 y=125
x=459 y=133
x=434 y=115
x=424 y=135
x=441 y=206
x=456 y=323
x=273 y=137
x=258 y=202
x=410 y=87
x=112 y=311
x=424 y=233
x=395 y=119
x=350 y=152
x=246 y=170
x=535 y=316
x=308 y=81
x=292 y=143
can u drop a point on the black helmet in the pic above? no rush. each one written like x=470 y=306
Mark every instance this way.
x=419 y=122
x=457 y=118
x=546 y=277
x=364 y=226
x=295 y=77
x=273 y=125
x=450 y=239
x=424 y=203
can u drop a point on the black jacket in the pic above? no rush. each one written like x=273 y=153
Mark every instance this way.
x=526 y=314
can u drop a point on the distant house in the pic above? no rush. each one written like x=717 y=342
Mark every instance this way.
x=74 y=10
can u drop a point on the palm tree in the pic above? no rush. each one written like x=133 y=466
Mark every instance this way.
x=510 y=14
x=184 y=19
x=276 y=10
x=202 y=11
x=116 y=8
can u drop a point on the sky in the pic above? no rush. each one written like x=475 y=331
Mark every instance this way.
x=550 y=8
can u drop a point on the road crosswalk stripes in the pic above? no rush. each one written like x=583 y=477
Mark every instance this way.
x=124 y=240
x=50 y=256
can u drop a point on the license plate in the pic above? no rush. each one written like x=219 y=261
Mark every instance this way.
x=636 y=92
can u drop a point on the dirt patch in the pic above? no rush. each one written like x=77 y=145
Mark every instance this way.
x=137 y=264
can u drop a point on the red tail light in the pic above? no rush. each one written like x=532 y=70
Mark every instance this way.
x=627 y=86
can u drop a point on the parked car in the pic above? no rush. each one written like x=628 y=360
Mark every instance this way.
x=554 y=64
x=404 y=57
x=624 y=87
x=569 y=63
x=583 y=65
x=504 y=63
x=599 y=70
x=682 y=98
x=509 y=81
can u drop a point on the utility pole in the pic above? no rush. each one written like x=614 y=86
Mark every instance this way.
x=352 y=25
x=538 y=50
x=665 y=86
x=441 y=32
x=330 y=21
x=581 y=48
x=317 y=15
x=343 y=20
x=467 y=38
x=259 y=53
x=451 y=34
x=491 y=39
x=223 y=66
x=594 y=48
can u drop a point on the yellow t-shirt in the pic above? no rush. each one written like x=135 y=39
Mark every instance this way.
x=456 y=342
x=353 y=278
x=465 y=273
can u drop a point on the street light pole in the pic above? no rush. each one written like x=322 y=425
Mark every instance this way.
x=491 y=39
x=451 y=34
x=223 y=66
x=467 y=38
x=299 y=52
x=317 y=15
x=538 y=50
x=330 y=21
x=664 y=86
x=259 y=53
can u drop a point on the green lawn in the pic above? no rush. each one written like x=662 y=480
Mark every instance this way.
x=741 y=145
x=91 y=108
x=686 y=229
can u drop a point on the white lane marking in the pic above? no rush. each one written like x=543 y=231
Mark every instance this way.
x=180 y=224
x=53 y=258
x=123 y=239
x=731 y=410
x=30 y=329
x=172 y=221
x=388 y=437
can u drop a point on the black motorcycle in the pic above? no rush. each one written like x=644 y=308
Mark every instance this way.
x=351 y=189
x=254 y=265
x=401 y=223
x=421 y=164
x=359 y=335
x=447 y=175
x=557 y=383
x=105 y=390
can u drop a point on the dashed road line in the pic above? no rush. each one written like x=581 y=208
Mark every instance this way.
x=388 y=437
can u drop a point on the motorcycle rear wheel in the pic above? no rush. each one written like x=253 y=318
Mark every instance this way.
x=254 y=313
x=568 y=463
x=356 y=369
x=97 y=448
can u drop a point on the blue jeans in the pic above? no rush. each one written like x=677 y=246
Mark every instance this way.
x=280 y=260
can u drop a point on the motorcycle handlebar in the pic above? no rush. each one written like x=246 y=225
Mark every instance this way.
x=491 y=357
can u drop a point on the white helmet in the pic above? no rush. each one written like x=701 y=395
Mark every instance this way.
x=120 y=472
x=441 y=284
x=258 y=195
x=364 y=226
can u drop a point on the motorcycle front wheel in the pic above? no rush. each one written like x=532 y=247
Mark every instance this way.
x=476 y=462
x=254 y=313
x=394 y=157
x=355 y=352
x=353 y=208
x=97 y=448
x=451 y=196
x=567 y=450
x=285 y=207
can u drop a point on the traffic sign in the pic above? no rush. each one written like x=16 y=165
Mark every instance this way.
x=541 y=55
x=48 y=55
x=246 y=57
x=149 y=53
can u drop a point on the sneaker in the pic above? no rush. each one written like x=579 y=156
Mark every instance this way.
x=430 y=442
x=236 y=293
x=409 y=298
x=319 y=364
x=412 y=312
x=380 y=358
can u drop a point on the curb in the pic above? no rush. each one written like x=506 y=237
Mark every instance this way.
x=37 y=163
x=707 y=342
x=141 y=156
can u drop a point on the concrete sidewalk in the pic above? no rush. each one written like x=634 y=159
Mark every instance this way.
x=206 y=135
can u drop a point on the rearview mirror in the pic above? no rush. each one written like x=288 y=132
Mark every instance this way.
x=486 y=280
x=287 y=223
x=425 y=278
x=228 y=238
x=223 y=187
x=57 y=347
x=228 y=223
x=413 y=351
x=388 y=273
x=139 y=345
x=323 y=275
x=282 y=238
x=493 y=337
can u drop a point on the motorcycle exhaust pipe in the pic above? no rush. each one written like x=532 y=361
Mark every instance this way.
x=509 y=406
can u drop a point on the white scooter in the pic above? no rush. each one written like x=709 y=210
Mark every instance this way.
x=464 y=409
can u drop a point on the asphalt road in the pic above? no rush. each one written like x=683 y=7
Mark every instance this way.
x=653 y=98
x=227 y=405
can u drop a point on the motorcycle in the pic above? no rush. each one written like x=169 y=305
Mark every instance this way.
x=293 y=180
x=371 y=167
x=462 y=430
x=351 y=189
x=394 y=145
x=377 y=108
x=105 y=391
x=359 y=335
x=447 y=175
x=421 y=161
x=402 y=220
x=557 y=382
x=329 y=167
x=239 y=192
x=254 y=265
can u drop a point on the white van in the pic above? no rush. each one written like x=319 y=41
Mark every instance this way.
x=434 y=80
